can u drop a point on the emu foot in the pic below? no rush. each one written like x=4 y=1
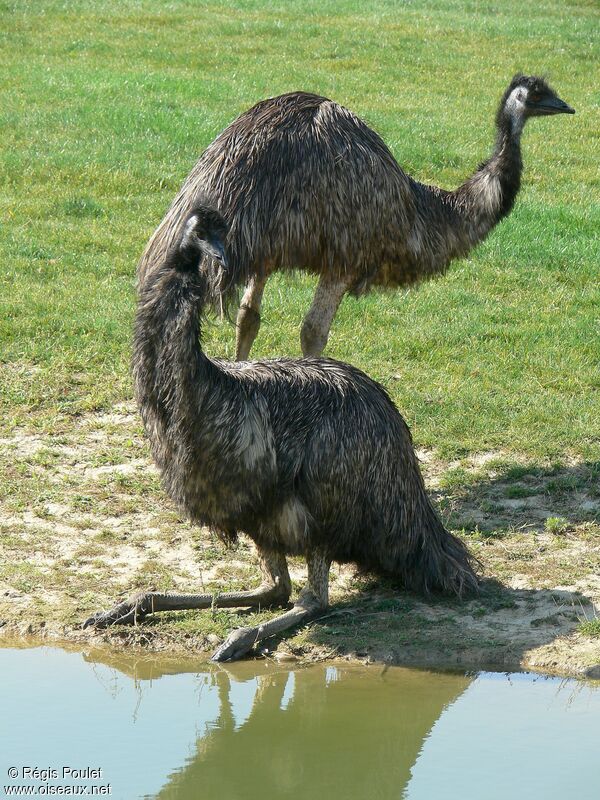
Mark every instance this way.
x=129 y=612
x=237 y=644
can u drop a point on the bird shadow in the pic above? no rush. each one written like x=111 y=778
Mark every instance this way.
x=501 y=628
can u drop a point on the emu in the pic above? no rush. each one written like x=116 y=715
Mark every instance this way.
x=308 y=457
x=305 y=184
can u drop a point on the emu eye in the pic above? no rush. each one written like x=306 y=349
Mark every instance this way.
x=535 y=97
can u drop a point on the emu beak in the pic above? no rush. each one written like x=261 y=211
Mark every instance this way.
x=551 y=105
x=215 y=250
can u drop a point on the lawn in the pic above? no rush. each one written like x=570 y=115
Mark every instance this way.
x=496 y=366
x=106 y=106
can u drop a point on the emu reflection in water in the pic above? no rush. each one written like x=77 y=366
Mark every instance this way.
x=306 y=732
x=162 y=728
x=312 y=732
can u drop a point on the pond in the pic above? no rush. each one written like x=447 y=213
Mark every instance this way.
x=103 y=723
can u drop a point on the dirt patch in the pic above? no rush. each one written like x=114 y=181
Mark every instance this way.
x=83 y=521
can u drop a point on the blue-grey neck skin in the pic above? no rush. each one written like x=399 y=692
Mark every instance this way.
x=464 y=217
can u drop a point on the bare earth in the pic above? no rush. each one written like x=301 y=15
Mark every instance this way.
x=83 y=521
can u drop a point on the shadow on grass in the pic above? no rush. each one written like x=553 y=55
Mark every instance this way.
x=526 y=497
x=495 y=629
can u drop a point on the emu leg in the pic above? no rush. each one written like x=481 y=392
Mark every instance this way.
x=248 y=317
x=317 y=322
x=274 y=590
x=312 y=601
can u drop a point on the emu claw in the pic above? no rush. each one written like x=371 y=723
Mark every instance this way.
x=128 y=613
x=237 y=644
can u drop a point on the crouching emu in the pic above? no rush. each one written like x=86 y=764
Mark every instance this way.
x=307 y=457
x=305 y=184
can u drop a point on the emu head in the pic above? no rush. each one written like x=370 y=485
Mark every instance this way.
x=529 y=96
x=203 y=234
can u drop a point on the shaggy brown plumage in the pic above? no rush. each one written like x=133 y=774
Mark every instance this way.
x=305 y=184
x=307 y=457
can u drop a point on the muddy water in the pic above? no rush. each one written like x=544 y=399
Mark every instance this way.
x=160 y=728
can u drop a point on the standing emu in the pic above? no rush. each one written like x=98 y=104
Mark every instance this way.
x=305 y=184
x=308 y=457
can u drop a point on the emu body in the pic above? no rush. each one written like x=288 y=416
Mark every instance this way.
x=307 y=457
x=305 y=184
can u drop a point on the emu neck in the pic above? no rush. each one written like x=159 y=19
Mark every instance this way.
x=489 y=195
x=170 y=370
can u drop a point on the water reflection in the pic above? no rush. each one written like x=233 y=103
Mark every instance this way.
x=166 y=728
x=313 y=733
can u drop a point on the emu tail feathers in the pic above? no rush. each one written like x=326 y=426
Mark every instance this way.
x=441 y=561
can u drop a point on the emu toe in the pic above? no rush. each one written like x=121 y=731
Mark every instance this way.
x=237 y=644
x=130 y=612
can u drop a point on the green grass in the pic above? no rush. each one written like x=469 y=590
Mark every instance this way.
x=557 y=525
x=106 y=106
x=590 y=627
